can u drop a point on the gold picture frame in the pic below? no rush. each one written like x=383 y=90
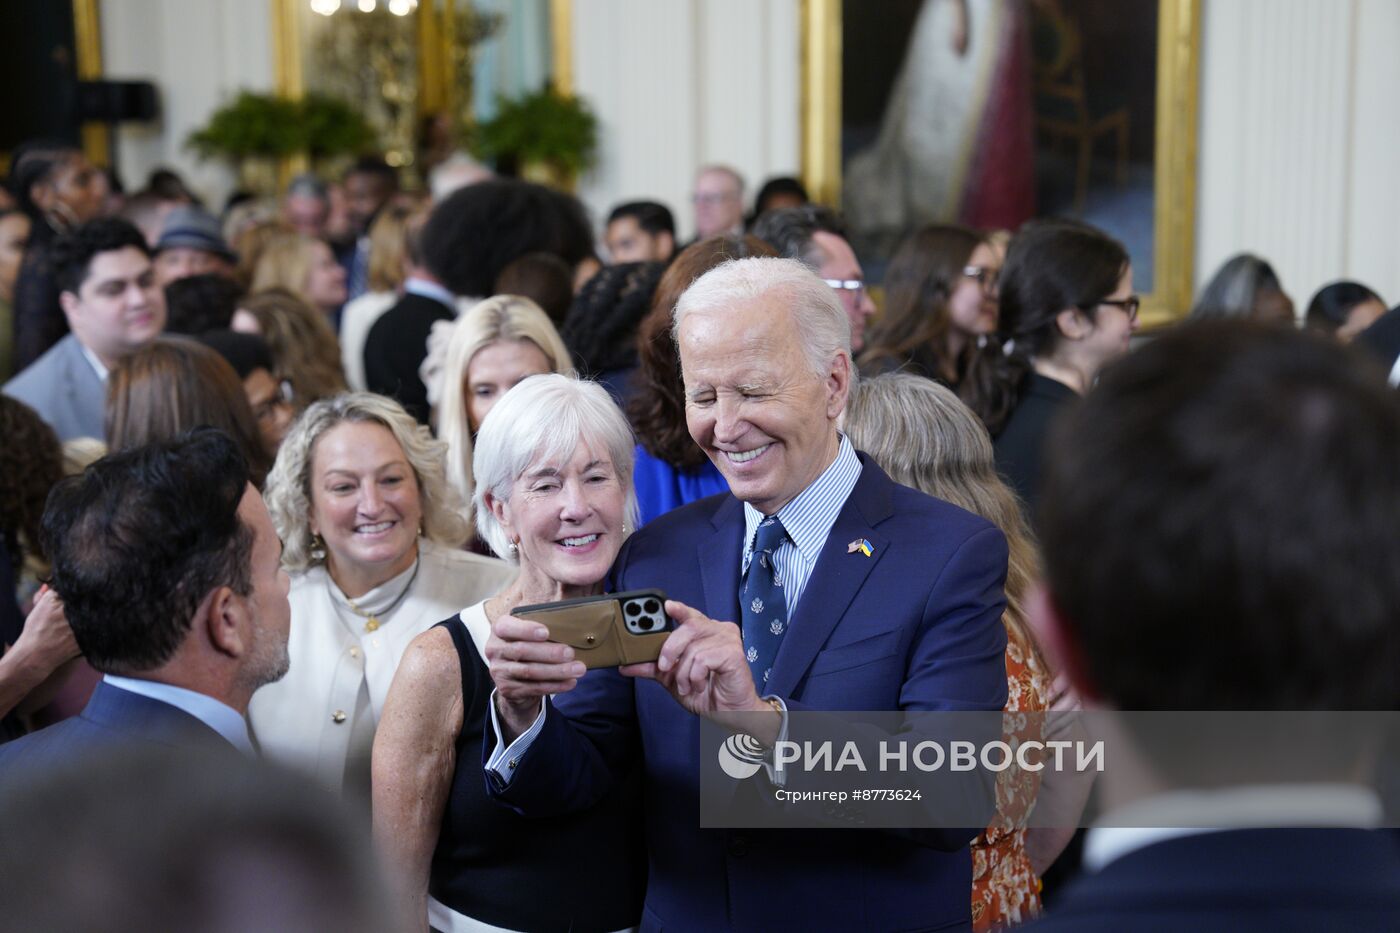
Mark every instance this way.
x=1174 y=164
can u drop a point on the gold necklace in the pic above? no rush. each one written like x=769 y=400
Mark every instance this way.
x=372 y=622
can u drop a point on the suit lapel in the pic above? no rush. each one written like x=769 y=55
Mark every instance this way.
x=719 y=555
x=836 y=579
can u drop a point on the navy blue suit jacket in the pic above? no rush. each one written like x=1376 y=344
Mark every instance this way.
x=915 y=626
x=1265 y=880
x=113 y=719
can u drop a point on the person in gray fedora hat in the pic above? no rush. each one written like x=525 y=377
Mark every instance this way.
x=191 y=243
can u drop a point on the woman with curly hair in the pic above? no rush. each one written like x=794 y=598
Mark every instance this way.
x=601 y=328
x=304 y=348
x=371 y=534
x=671 y=469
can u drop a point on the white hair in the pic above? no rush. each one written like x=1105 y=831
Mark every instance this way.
x=543 y=419
x=822 y=324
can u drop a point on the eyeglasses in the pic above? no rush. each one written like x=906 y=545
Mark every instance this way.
x=713 y=197
x=267 y=409
x=985 y=276
x=1128 y=306
x=855 y=286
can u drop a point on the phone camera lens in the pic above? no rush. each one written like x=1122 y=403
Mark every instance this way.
x=632 y=609
x=652 y=607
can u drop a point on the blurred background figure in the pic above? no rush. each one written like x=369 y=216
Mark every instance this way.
x=543 y=278
x=369 y=185
x=388 y=268
x=58 y=190
x=306 y=267
x=719 y=201
x=303 y=346
x=192 y=243
x=1246 y=286
x=306 y=207
x=137 y=840
x=940 y=304
x=174 y=385
x=269 y=398
x=1343 y=309
x=601 y=329
x=14 y=236
x=496 y=345
x=671 y=469
x=777 y=193
x=199 y=303
x=640 y=231
x=372 y=536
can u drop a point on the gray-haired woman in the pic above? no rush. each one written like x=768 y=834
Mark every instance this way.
x=371 y=533
x=553 y=467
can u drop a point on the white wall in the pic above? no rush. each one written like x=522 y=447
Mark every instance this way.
x=1299 y=139
x=198 y=53
x=679 y=83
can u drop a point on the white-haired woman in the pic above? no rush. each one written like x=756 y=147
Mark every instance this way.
x=371 y=535
x=554 y=495
x=495 y=345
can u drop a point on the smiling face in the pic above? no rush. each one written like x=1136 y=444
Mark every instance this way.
x=117 y=308
x=364 y=504
x=566 y=520
x=497 y=368
x=754 y=405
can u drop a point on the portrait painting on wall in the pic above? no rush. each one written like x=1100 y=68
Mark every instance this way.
x=991 y=112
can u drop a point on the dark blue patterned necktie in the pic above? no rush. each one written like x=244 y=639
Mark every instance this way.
x=763 y=608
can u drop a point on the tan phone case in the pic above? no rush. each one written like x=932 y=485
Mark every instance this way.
x=597 y=627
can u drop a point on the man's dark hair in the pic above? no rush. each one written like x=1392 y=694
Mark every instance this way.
x=139 y=539
x=1329 y=308
x=544 y=278
x=474 y=233
x=789 y=230
x=652 y=217
x=376 y=167
x=246 y=353
x=1219 y=525
x=200 y=303
x=73 y=253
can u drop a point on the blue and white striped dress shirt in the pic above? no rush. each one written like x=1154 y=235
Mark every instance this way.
x=808 y=519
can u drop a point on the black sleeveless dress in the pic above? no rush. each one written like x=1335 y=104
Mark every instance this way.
x=581 y=872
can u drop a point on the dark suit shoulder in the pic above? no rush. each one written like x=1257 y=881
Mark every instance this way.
x=409 y=311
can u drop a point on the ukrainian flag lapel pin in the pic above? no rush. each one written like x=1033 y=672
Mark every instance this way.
x=862 y=545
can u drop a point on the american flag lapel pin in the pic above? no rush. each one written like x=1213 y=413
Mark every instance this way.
x=862 y=545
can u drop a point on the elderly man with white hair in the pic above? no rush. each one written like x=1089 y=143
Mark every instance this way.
x=816 y=584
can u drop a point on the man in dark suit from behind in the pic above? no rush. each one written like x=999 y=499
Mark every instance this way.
x=398 y=342
x=1219 y=532
x=170 y=573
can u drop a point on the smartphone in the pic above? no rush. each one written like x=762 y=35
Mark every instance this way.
x=607 y=630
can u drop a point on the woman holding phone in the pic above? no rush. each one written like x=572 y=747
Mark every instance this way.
x=553 y=468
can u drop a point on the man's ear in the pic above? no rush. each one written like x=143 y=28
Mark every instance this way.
x=1058 y=643
x=1072 y=324
x=69 y=303
x=838 y=384
x=224 y=615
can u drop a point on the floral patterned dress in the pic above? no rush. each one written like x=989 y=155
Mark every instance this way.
x=1005 y=889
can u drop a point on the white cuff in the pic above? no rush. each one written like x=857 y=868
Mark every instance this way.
x=504 y=759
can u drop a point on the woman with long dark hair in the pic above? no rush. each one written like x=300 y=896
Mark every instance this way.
x=1067 y=308
x=60 y=191
x=940 y=303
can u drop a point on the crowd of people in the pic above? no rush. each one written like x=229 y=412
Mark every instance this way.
x=273 y=484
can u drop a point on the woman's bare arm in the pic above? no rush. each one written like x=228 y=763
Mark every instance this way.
x=413 y=763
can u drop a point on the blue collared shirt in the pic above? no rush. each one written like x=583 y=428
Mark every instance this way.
x=223 y=719
x=808 y=519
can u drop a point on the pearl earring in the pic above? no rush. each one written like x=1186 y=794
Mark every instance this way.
x=318 y=548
